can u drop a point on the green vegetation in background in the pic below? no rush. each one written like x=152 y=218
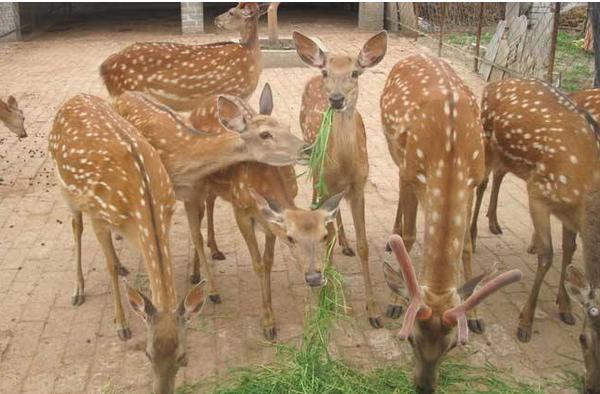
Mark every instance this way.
x=573 y=62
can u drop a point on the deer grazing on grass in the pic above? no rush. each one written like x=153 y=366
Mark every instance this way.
x=347 y=165
x=190 y=155
x=109 y=172
x=181 y=75
x=588 y=100
x=541 y=136
x=12 y=117
x=433 y=129
x=264 y=194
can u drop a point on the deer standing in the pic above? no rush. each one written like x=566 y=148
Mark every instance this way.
x=431 y=122
x=181 y=75
x=190 y=155
x=263 y=194
x=541 y=136
x=347 y=165
x=109 y=172
x=12 y=117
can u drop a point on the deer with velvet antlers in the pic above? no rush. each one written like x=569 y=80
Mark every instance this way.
x=12 y=117
x=109 y=172
x=346 y=165
x=432 y=126
x=181 y=75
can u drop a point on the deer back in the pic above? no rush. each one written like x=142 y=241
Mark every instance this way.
x=588 y=99
x=108 y=171
x=431 y=122
x=542 y=137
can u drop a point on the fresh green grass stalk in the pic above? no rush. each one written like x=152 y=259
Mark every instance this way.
x=316 y=162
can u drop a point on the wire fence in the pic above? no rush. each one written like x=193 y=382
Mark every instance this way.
x=502 y=40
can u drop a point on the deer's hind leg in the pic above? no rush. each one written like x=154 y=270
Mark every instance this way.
x=342 y=240
x=78 y=296
x=210 y=224
x=475 y=323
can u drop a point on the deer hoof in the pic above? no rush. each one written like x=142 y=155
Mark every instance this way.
x=124 y=333
x=524 y=334
x=195 y=279
x=77 y=298
x=375 y=322
x=347 y=251
x=394 y=311
x=215 y=298
x=122 y=270
x=218 y=255
x=567 y=318
x=476 y=326
x=495 y=228
x=270 y=333
x=388 y=248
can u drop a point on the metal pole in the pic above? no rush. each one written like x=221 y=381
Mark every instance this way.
x=553 y=42
x=442 y=18
x=477 y=46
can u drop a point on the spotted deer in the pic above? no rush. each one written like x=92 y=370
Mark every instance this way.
x=109 y=172
x=347 y=165
x=190 y=155
x=540 y=135
x=12 y=117
x=430 y=319
x=264 y=195
x=181 y=75
x=589 y=100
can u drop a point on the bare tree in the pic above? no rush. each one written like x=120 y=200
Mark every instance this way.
x=595 y=18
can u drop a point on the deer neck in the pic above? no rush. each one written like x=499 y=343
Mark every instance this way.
x=342 y=139
x=249 y=35
x=590 y=233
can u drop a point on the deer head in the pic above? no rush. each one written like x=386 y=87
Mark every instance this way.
x=12 y=117
x=304 y=232
x=166 y=334
x=341 y=72
x=266 y=140
x=430 y=319
x=236 y=18
x=580 y=291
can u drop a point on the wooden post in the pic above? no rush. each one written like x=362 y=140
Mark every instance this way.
x=272 y=25
x=553 y=42
x=442 y=19
x=478 y=44
x=595 y=17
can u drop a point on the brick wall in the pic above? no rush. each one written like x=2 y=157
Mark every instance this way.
x=192 y=18
x=8 y=21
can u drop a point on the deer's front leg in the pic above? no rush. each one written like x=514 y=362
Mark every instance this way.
x=193 y=210
x=398 y=221
x=479 y=198
x=210 y=224
x=342 y=240
x=357 y=204
x=475 y=324
x=563 y=300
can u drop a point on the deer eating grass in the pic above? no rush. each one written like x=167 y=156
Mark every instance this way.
x=264 y=195
x=346 y=165
x=12 y=117
x=540 y=135
x=109 y=172
x=433 y=129
x=181 y=75
x=189 y=155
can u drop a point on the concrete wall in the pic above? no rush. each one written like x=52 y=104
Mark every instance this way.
x=370 y=16
x=9 y=21
x=192 y=18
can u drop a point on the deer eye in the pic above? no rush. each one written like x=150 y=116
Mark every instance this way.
x=291 y=239
x=354 y=74
x=324 y=72
x=265 y=135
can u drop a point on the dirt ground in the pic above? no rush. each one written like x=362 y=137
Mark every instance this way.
x=47 y=345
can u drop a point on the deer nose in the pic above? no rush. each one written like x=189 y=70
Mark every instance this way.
x=336 y=100
x=314 y=279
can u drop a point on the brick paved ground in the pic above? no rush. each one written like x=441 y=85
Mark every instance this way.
x=46 y=345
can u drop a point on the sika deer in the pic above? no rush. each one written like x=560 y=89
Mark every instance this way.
x=347 y=167
x=109 y=172
x=190 y=155
x=540 y=135
x=432 y=125
x=244 y=185
x=181 y=75
x=12 y=117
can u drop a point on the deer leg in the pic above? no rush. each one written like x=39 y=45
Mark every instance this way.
x=540 y=215
x=357 y=203
x=210 y=224
x=410 y=205
x=246 y=227
x=78 y=296
x=342 y=240
x=563 y=300
x=194 y=215
x=475 y=324
x=270 y=331
x=499 y=174
x=398 y=221
x=479 y=197
x=105 y=239
x=531 y=248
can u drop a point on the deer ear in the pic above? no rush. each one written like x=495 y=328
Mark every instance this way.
x=248 y=9
x=140 y=304
x=331 y=206
x=373 y=51
x=230 y=115
x=309 y=51
x=266 y=100
x=12 y=102
x=577 y=286
x=269 y=210
x=193 y=302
